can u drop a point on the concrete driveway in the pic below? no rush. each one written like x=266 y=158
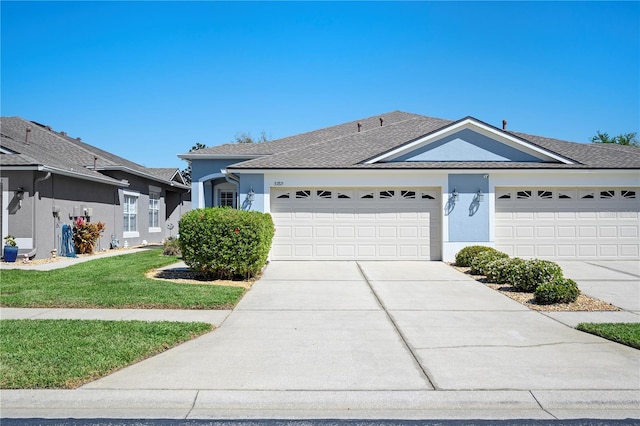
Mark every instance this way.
x=383 y=326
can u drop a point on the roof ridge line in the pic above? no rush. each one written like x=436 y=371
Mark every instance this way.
x=415 y=117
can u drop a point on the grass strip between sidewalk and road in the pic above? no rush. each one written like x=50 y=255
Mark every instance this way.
x=49 y=354
x=625 y=333
x=111 y=282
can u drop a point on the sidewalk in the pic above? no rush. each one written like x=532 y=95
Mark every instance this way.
x=215 y=317
x=63 y=262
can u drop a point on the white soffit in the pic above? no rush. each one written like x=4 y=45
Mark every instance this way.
x=476 y=126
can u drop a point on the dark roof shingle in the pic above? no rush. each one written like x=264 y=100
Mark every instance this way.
x=59 y=152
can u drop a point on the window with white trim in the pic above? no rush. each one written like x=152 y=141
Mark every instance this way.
x=154 y=211
x=130 y=215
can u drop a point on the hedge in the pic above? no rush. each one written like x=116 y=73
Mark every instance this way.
x=466 y=255
x=557 y=291
x=225 y=243
x=479 y=263
x=534 y=272
x=503 y=270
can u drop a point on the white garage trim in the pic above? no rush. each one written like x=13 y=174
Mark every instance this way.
x=329 y=223
x=568 y=223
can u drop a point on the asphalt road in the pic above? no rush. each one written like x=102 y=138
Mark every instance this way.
x=323 y=422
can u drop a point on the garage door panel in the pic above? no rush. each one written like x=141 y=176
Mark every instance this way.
x=565 y=250
x=504 y=232
x=409 y=251
x=324 y=231
x=566 y=232
x=587 y=231
x=628 y=215
x=303 y=231
x=548 y=250
x=587 y=250
x=628 y=231
x=345 y=231
x=603 y=225
x=392 y=224
x=587 y=215
x=608 y=231
x=545 y=232
x=366 y=231
x=608 y=250
x=524 y=231
x=387 y=251
x=387 y=232
x=345 y=251
x=524 y=250
x=324 y=250
x=629 y=250
x=303 y=250
x=546 y=216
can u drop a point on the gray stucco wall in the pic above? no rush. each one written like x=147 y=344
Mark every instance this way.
x=467 y=145
x=69 y=196
x=202 y=168
x=468 y=218
x=19 y=214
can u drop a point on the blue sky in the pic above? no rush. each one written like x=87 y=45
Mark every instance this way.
x=147 y=80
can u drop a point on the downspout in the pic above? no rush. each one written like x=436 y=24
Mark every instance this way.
x=235 y=180
x=36 y=181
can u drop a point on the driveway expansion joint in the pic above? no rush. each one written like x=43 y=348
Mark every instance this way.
x=613 y=269
x=403 y=338
x=540 y=405
x=539 y=345
x=195 y=400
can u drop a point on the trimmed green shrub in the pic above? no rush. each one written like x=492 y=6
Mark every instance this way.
x=466 y=255
x=558 y=291
x=225 y=243
x=501 y=271
x=479 y=263
x=534 y=272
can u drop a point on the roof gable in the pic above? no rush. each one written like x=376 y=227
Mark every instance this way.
x=469 y=140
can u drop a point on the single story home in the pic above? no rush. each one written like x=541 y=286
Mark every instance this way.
x=48 y=179
x=401 y=186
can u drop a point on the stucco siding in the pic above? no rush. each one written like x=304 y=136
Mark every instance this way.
x=467 y=145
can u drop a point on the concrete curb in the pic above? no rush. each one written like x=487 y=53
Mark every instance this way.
x=233 y=404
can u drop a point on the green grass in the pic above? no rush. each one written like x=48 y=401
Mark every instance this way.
x=112 y=282
x=45 y=354
x=625 y=333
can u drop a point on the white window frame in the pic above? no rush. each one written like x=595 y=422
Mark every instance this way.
x=233 y=197
x=136 y=196
x=157 y=192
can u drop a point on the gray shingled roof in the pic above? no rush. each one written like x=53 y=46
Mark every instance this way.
x=343 y=147
x=168 y=174
x=58 y=152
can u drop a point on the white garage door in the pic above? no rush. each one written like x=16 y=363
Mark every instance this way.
x=571 y=223
x=356 y=223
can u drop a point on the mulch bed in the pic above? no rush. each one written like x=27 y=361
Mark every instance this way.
x=584 y=303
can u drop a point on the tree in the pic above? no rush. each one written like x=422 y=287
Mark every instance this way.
x=627 y=139
x=245 y=137
x=186 y=173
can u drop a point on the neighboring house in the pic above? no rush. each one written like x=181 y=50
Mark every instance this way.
x=405 y=186
x=48 y=179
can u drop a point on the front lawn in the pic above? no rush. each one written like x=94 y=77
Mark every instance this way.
x=111 y=282
x=625 y=333
x=68 y=353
